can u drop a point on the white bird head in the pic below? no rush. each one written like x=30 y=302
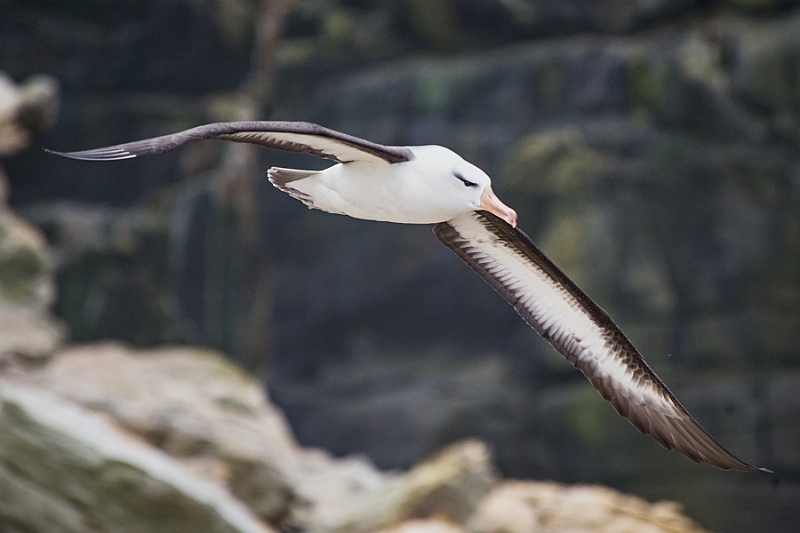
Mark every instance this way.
x=460 y=183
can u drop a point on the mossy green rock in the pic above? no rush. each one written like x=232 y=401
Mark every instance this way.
x=64 y=470
x=27 y=291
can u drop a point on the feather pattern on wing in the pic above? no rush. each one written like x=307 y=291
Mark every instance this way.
x=300 y=137
x=581 y=331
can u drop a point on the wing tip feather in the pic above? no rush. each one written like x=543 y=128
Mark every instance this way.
x=100 y=154
x=666 y=421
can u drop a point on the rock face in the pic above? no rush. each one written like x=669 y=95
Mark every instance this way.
x=27 y=288
x=103 y=438
x=197 y=414
x=26 y=291
x=641 y=167
x=521 y=507
x=207 y=413
x=63 y=469
x=650 y=148
x=25 y=109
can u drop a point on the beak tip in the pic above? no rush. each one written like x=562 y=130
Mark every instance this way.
x=491 y=203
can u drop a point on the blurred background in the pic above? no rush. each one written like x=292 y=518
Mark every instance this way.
x=651 y=148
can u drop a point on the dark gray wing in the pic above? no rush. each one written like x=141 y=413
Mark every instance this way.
x=300 y=137
x=581 y=331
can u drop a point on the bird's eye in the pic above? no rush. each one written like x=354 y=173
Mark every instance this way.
x=464 y=180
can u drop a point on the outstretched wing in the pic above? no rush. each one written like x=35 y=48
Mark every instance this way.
x=300 y=137
x=581 y=331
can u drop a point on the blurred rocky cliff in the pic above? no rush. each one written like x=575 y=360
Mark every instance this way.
x=651 y=149
x=27 y=285
x=104 y=438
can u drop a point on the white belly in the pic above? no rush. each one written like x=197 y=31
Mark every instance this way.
x=399 y=192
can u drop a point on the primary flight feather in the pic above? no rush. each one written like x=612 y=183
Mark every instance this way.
x=433 y=185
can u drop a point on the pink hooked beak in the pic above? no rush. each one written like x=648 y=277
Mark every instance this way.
x=492 y=203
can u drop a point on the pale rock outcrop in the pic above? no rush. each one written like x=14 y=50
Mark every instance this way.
x=529 y=506
x=27 y=287
x=64 y=469
x=208 y=421
x=204 y=411
x=29 y=107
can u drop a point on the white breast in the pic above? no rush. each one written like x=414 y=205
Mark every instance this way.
x=419 y=191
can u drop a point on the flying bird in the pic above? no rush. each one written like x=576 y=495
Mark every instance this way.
x=434 y=185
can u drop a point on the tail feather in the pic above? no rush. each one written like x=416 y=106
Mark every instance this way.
x=279 y=177
x=282 y=177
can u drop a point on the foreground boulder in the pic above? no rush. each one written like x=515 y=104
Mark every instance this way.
x=63 y=469
x=27 y=285
x=196 y=445
x=522 y=507
x=215 y=419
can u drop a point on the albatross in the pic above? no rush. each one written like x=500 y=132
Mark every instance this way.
x=434 y=185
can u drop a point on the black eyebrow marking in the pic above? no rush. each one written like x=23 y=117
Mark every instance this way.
x=464 y=180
